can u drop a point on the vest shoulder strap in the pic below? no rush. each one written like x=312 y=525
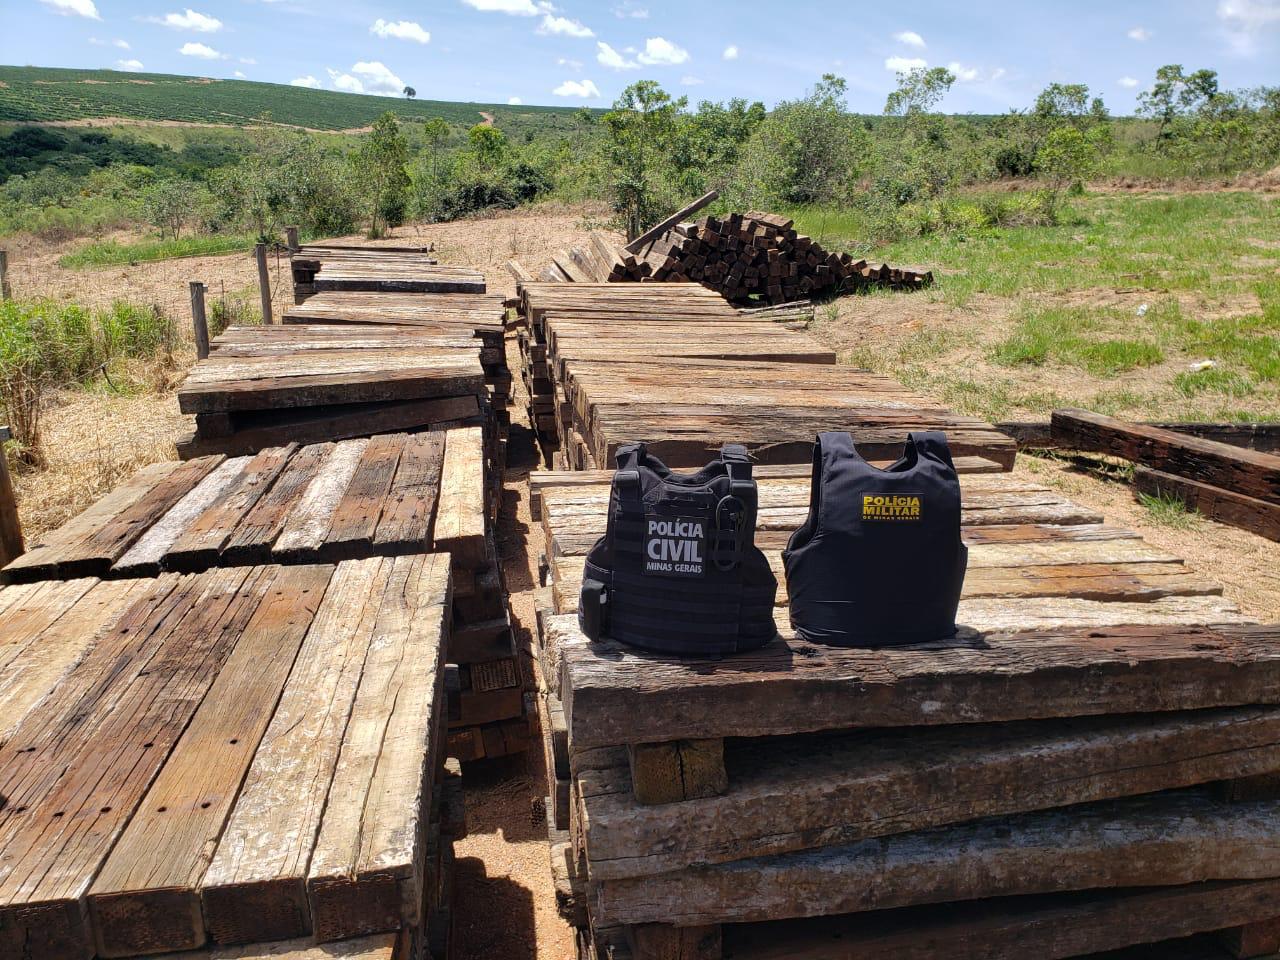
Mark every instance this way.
x=931 y=444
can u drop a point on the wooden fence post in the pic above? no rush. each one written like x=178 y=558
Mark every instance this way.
x=5 y=291
x=264 y=281
x=199 y=322
x=291 y=237
x=11 y=545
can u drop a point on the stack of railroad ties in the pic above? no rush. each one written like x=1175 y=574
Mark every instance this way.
x=743 y=256
x=1092 y=764
x=363 y=353
x=225 y=703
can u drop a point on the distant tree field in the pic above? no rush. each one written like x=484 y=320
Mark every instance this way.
x=910 y=171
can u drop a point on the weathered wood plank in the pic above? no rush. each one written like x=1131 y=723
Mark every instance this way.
x=460 y=510
x=1225 y=506
x=356 y=514
x=383 y=946
x=147 y=554
x=305 y=530
x=365 y=874
x=200 y=544
x=405 y=525
x=74 y=771
x=787 y=793
x=255 y=888
x=146 y=898
x=1050 y=927
x=32 y=663
x=1246 y=472
x=250 y=542
x=1162 y=840
x=87 y=545
x=613 y=694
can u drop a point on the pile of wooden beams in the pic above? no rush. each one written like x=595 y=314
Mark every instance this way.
x=262 y=386
x=747 y=257
x=1092 y=763
x=243 y=755
x=389 y=495
x=324 y=268
x=444 y=314
x=679 y=368
x=1222 y=481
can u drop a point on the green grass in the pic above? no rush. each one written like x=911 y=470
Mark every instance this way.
x=109 y=253
x=1168 y=511
x=1023 y=319
x=1157 y=242
x=35 y=94
x=1063 y=334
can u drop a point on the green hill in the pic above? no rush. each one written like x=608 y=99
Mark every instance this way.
x=43 y=94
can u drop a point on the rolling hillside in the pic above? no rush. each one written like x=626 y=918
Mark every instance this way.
x=43 y=94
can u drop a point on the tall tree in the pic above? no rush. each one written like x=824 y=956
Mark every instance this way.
x=638 y=136
x=380 y=161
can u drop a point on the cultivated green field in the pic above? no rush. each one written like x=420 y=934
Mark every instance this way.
x=41 y=94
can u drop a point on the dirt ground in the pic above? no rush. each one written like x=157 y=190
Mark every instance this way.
x=504 y=898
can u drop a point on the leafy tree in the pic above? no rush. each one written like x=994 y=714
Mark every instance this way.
x=806 y=151
x=168 y=204
x=1175 y=94
x=410 y=93
x=381 y=160
x=488 y=142
x=1066 y=158
x=919 y=91
x=639 y=133
x=1059 y=102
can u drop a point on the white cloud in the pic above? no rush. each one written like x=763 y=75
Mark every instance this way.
x=1141 y=34
x=400 y=30
x=200 y=50
x=514 y=101
x=1249 y=14
x=345 y=81
x=628 y=10
x=690 y=81
x=577 y=88
x=369 y=76
x=910 y=38
x=563 y=26
x=1128 y=82
x=904 y=64
x=611 y=58
x=307 y=81
x=249 y=61
x=239 y=74
x=73 y=8
x=659 y=52
x=122 y=44
x=519 y=8
x=189 y=20
x=962 y=73
x=730 y=53
x=571 y=64
x=998 y=72
x=129 y=66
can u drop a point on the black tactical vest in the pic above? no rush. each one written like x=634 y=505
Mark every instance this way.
x=677 y=570
x=879 y=560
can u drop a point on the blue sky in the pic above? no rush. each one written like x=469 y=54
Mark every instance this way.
x=575 y=52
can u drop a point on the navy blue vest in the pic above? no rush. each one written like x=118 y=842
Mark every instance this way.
x=678 y=570
x=879 y=560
